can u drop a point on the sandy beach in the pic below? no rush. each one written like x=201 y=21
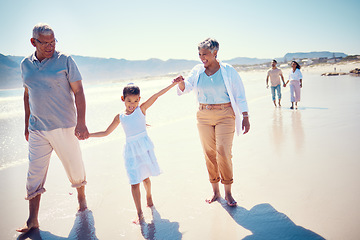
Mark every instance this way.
x=296 y=174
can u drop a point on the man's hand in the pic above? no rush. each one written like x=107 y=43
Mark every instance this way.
x=27 y=134
x=81 y=132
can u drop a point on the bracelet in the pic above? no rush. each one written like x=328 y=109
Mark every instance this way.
x=245 y=115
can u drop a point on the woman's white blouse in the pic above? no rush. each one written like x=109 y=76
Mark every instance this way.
x=297 y=75
x=233 y=84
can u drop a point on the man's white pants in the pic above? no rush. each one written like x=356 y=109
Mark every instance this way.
x=66 y=146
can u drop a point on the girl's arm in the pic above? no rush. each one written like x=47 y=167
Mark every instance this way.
x=153 y=98
x=109 y=130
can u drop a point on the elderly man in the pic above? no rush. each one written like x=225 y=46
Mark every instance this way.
x=52 y=120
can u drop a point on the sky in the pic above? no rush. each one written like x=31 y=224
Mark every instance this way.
x=166 y=29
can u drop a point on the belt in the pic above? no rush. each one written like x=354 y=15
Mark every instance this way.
x=214 y=106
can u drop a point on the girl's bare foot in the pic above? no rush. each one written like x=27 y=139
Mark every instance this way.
x=140 y=219
x=28 y=226
x=149 y=201
x=213 y=199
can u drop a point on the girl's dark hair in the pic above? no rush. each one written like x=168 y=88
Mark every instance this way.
x=297 y=65
x=131 y=89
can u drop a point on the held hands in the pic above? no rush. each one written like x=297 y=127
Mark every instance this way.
x=178 y=79
x=286 y=83
x=81 y=132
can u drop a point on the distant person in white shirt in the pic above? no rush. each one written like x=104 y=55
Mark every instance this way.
x=295 y=78
x=275 y=73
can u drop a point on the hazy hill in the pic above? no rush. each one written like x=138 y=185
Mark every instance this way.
x=111 y=69
x=99 y=69
x=16 y=59
x=247 y=61
x=10 y=76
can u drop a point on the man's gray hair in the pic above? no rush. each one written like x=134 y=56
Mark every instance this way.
x=43 y=29
x=209 y=43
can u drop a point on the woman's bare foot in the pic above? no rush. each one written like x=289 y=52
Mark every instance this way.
x=215 y=187
x=28 y=226
x=214 y=198
x=230 y=201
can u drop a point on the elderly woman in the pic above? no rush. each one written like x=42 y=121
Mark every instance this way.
x=222 y=104
x=295 y=78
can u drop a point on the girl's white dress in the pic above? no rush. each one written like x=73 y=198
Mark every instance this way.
x=140 y=160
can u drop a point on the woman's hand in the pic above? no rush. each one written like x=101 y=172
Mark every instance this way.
x=180 y=82
x=178 y=79
x=245 y=125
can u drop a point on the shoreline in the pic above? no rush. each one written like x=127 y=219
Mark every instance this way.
x=327 y=67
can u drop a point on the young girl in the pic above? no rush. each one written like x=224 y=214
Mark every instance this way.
x=140 y=160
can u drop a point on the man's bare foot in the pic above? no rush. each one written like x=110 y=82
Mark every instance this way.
x=230 y=201
x=82 y=205
x=149 y=201
x=213 y=199
x=81 y=198
x=28 y=226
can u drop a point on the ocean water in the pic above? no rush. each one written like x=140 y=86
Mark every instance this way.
x=103 y=103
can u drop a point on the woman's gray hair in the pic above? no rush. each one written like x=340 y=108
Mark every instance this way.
x=43 y=29
x=209 y=43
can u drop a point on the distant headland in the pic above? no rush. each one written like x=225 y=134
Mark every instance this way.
x=95 y=70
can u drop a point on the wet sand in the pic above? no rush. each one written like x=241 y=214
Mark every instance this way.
x=296 y=177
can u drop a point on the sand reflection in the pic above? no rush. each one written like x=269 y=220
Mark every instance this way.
x=298 y=130
x=160 y=228
x=277 y=130
x=83 y=229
